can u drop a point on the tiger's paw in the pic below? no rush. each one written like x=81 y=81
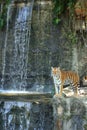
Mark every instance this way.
x=76 y=95
x=57 y=95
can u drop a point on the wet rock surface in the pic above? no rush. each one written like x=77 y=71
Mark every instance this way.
x=70 y=113
x=41 y=117
x=26 y=116
x=48 y=46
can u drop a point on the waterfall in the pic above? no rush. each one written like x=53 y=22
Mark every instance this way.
x=18 y=60
x=21 y=47
x=5 y=46
x=15 y=115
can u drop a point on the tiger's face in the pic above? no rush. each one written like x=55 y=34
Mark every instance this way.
x=55 y=71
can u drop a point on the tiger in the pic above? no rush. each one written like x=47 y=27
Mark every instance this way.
x=59 y=78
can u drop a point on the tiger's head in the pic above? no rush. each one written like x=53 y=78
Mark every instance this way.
x=55 y=71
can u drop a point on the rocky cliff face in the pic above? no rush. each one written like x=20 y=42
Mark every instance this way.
x=70 y=113
x=54 y=44
x=49 y=45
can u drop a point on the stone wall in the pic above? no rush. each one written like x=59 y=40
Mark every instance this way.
x=50 y=45
x=41 y=116
x=70 y=113
x=54 y=43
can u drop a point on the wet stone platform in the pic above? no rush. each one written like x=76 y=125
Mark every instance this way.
x=67 y=111
x=25 y=96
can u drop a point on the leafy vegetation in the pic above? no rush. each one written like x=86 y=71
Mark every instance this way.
x=75 y=32
x=62 y=6
x=3 y=12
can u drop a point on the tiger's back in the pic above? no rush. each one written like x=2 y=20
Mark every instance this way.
x=72 y=76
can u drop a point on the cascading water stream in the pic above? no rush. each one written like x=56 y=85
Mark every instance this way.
x=5 y=46
x=20 y=47
x=18 y=68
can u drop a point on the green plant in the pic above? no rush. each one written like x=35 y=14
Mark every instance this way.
x=60 y=7
x=3 y=12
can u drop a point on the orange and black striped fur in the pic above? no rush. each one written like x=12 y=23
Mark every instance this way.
x=60 y=76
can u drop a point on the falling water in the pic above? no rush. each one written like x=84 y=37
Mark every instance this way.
x=15 y=115
x=5 y=46
x=20 y=47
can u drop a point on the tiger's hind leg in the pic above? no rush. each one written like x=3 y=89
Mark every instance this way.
x=75 y=89
x=76 y=86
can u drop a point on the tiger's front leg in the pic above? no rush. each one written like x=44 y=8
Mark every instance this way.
x=61 y=89
x=57 y=90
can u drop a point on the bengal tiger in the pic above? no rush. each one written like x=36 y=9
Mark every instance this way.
x=60 y=76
